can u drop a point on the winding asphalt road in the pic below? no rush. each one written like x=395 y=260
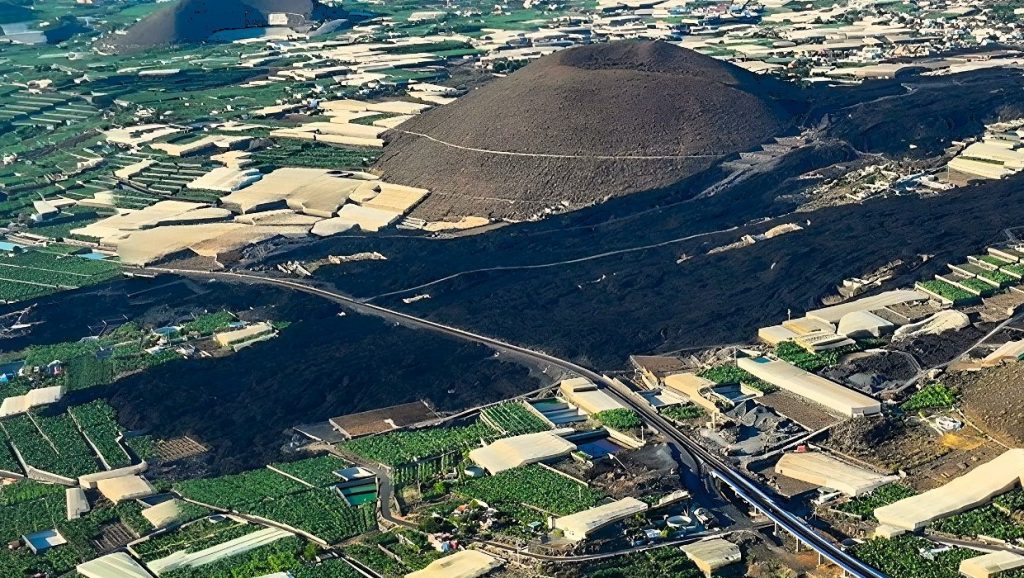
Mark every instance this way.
x=745 y=488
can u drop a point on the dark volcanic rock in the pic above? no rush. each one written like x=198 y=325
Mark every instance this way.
x=639 y=99
x=191 y=21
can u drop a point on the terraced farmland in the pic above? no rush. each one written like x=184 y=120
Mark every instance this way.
x=99 y=423
x=513 y=419
x=240 y=490
x=193 y=537
x=318 y=471
x=61 y=451
x=532 y=486
x=289 y=153
x=34 y=273
x=27 y=507
x=320 y=512
x=402 y=447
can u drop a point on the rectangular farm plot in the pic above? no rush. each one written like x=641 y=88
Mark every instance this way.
x=192 y=538
x=61 y=451
x=320 y=512
x=238 y=491
x=33 y=273
x=99 y=424
x=402 y=447
x=318 y=471
x=533 y=486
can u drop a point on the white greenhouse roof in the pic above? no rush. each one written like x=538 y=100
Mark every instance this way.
x=117 y=565
x=578 y=526
x=822 y=391
x=513 y=452
x=462 y=564
x=823 y=470
x=973 y=489
x=991 y=564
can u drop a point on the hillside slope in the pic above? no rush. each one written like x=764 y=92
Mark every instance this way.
x=190 y=21
x=571 y=111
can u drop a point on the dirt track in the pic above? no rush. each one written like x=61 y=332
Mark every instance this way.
x=993 y=399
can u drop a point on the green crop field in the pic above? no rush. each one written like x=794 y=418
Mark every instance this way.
x=239 y=490
x=327 y=569
x=864 y=506
x=622 y=419
x=660 y=563
x=318 y=471
x=901 y=558
x=34 y=273
x=320 y=512
x=932 y=396
x=683 y=412
x=513 y=418
x=293 y=153
x=943 y=289
x=402 y=447
x=282 y=555
x=730 y=373
x=193 y=537
x=68 y=455
x=1000 y=520
x=533 y=486
x=209 y=323
x=99 y=423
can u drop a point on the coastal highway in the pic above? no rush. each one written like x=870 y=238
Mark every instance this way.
x=740 y=484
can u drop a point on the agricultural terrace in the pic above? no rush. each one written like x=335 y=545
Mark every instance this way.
x=932 y=396
x=279 y=556
x=125 y=352
x=901 y=557
x=1001 y=519
x=192 y=537
x=807 y=361
x=27 y=507
x=36 y=272
x=401 y=447
x=270 y=495
x=8 y=462
x=1000 y=278
x=394 y=554
x=683 y=412
x=240 y=490
x=320 y=512
x=425 y=470
x=978 y=286
x=52 y=444
x=864 y=506
x=659 y=563
x=318 y=471
x=947 y=291
x=523 y=490
x=373 y=557
x=209 y=323
x=621 y=419
x=730 y=373
x=327 y=569
x=292 y=153
x=513 y=418
x=98 y=422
